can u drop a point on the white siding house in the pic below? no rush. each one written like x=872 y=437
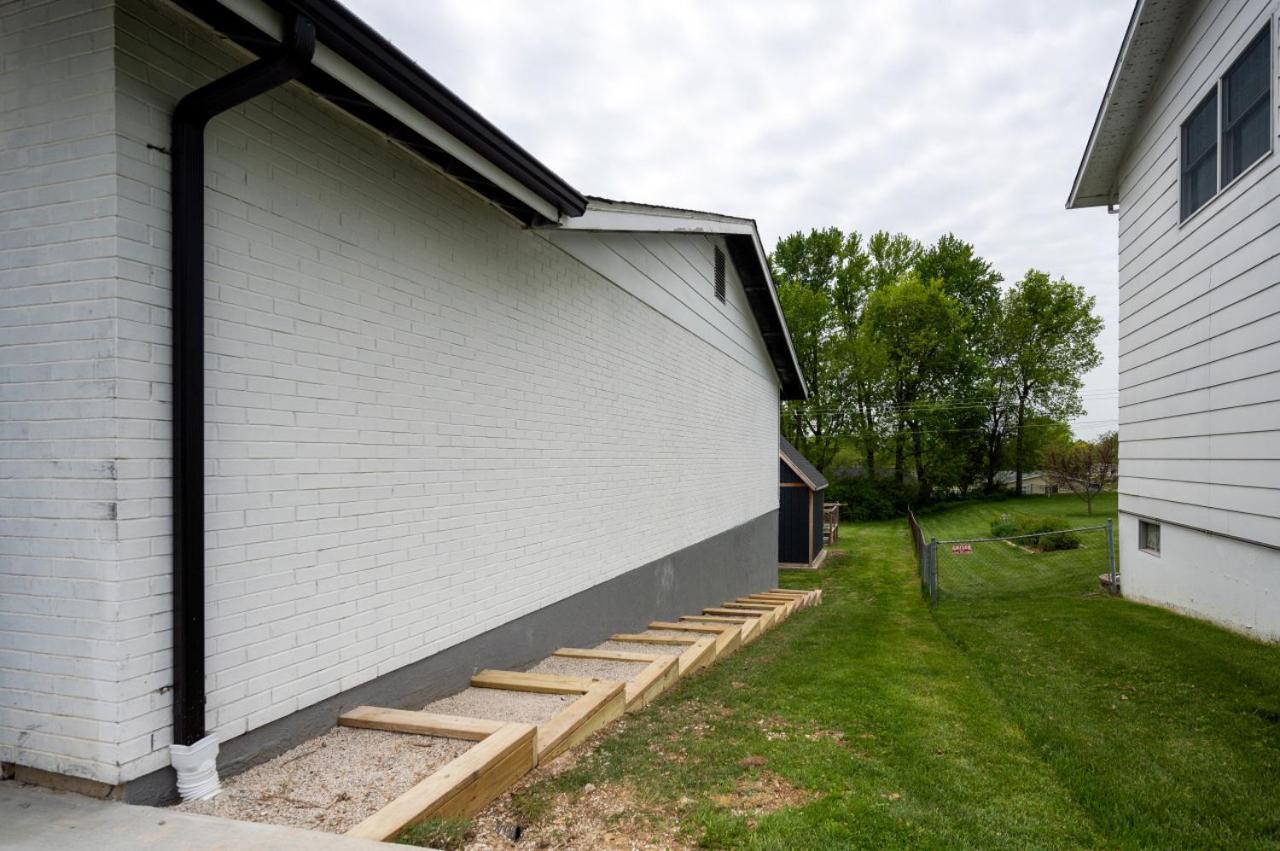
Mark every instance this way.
x=1185 y=146
x=451 y=417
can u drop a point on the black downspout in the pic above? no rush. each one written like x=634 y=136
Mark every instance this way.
x=190 y=116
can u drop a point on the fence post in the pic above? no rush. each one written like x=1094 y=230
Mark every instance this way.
x=933 y=571
x=1111 y=557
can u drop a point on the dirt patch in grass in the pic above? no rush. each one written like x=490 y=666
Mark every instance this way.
x=593 y=818
x=760 y=795
x=332 y=782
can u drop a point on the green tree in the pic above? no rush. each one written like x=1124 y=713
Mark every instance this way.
x=920 y=330
x=1050 y=329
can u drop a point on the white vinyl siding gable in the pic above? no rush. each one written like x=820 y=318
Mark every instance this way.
x=1200 y=305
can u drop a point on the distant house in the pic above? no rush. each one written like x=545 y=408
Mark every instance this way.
x=1185 y=145
x=802 y=490
x=1034 y=483
x=319 y=390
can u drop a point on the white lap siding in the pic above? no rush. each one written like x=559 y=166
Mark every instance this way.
x=1200 y=310
x=423 y=420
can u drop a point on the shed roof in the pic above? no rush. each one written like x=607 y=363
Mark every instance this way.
x=800 y=465
x=1153 y=26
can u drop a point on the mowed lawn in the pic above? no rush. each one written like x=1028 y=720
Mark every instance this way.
x=1057 y=719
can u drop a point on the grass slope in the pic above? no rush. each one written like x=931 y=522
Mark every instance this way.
x=1068 y=719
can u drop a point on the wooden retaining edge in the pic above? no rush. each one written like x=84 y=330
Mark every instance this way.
x=803 y=598
x=461 y=788
x=748 y=628
x=419 y=723
x=701 y=652
x=601 y=705
x=657 y=676
x=601 y=701
x=781 y=611
x=813 y=596
x=766 y=619
x=793 y=604
x=728 y=636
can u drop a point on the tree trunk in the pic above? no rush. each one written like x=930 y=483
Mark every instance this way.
x=917 y=452
x=899 y=456
x=1017 y=447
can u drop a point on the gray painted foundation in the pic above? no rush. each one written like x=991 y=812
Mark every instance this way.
x=741 y=561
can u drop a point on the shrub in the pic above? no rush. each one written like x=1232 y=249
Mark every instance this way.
x=1047 y=528
x=869 y=499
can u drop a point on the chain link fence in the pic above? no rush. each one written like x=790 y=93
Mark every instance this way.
x=1040 y=564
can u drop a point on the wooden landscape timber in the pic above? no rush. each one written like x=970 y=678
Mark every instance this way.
x=658 y=675
x=601 y=702
x=463 y=787
x=767 y=619
x=728 y=636
x=701 y=652
x=748 y=628
x=505 y=752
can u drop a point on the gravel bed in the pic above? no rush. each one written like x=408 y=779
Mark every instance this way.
x=679 y=633
x=642 y=647
x=332 y=782
x=496 y=704
x=604 y=669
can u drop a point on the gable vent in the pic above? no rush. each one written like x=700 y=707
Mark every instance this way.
x=719 y=274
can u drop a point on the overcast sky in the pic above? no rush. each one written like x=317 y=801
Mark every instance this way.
x=923 y=117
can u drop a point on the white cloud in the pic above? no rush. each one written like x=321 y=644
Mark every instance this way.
x=907 y=115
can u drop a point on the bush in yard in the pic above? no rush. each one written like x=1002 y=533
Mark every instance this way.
x=1047 y=528
x=869 y=499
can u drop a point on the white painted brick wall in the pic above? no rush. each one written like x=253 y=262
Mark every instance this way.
x=423 y=421
x=60 y=661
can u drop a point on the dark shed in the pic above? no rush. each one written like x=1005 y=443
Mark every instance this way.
x=801 y=489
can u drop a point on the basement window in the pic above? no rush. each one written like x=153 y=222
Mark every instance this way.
x=1149 y=537
x=719 y=274
x=1246 y=108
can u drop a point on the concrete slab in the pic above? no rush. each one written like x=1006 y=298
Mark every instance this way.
x=41 y=819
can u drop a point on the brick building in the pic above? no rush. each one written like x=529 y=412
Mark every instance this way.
x=439 y=411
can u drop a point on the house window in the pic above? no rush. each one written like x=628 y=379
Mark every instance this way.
x=1149 y=537
x=1199 y=163
x=1241 y=129
x=719 y=274
x=1246 y=108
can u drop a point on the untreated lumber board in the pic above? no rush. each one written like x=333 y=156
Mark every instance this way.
x=793 y=604
x=524 y=681
x=602 y=703
x=420 y=723
x=641 y=638
x=699 y=655
x=728 y=635
x=766 y=619
x=749 y=628
x=461 y=788
x=659 y=674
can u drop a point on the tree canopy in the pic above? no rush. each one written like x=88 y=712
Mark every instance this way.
x=922 y=365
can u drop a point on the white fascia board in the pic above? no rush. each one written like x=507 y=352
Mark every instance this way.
x=269 y=21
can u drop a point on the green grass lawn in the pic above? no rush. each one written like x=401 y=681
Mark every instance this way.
x=1055 y=720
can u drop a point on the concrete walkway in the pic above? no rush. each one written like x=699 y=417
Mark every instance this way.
x=42 y=820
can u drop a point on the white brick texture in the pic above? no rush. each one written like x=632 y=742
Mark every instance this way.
x=422 y=420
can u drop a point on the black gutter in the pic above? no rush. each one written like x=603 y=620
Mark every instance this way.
x=759 y=290
x=190 y=117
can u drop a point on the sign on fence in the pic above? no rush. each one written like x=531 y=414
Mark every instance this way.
x=961 y=549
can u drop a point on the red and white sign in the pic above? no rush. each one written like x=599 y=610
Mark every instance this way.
x=961 y=549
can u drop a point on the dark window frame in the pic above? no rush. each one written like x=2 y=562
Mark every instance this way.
x=720 y=272
x=1231 y=170
x=1212 y=102
x=1226 y=172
